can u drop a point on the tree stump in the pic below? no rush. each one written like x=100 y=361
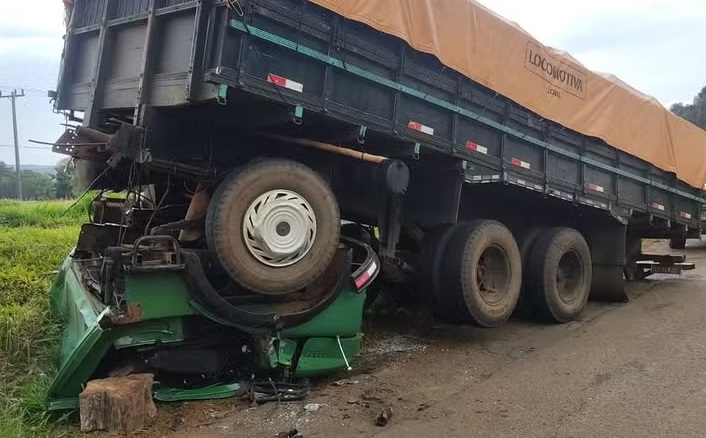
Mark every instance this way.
x=118 y=404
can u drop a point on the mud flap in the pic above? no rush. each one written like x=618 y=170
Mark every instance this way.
x=608 y=284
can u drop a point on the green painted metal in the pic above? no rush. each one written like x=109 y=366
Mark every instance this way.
x=283 y=42
x=164 y=302
x=84 y=343
x=298 y=114
x=150 y=332
x=206 y=393
x=222 y=96
x=343 y=317
x=159 y=295
x=285 y=354
x=322 y=356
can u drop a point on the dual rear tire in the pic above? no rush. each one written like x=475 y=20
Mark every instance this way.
x=475 y=273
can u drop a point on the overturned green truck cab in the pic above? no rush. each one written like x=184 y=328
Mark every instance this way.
x=149 y=307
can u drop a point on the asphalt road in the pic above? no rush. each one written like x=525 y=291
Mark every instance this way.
x=624 y=370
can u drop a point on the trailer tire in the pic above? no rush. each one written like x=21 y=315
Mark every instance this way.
x=480 y=275
x=559 y=275
x=526 y=241
x=280 y=204
x=430 y=259
x=677 y=242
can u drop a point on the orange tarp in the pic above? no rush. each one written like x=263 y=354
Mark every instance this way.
x=483 y=46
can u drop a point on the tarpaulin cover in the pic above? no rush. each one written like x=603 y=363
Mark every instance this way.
x=483 y=46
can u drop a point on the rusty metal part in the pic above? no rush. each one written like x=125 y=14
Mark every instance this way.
x=156 y=253
x=131 y=315
x=197 y=210
x=93 y=134
x=327 y=147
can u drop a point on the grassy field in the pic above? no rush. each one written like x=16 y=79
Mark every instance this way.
x=34 y=238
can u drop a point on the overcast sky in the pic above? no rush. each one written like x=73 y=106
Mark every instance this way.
x=657 y=46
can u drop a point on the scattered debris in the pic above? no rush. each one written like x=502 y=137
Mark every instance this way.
x=261 y=392
x=367 y=395
x=177 y=424
x=395 y=344
x=312 y=407
x=422 y=407
x=294 y=433
x=344 y=382
x=384 y=417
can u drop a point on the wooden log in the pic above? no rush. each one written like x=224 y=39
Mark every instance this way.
x=118 y=404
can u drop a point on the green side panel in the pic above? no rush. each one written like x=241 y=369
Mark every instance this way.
x=343 y=317
x=78 y=311
x=207 y=393
x=159 y=295
x=323 y=355
x=85 y=343
x=152 y=332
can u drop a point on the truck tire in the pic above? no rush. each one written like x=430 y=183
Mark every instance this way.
x=559 y=275
x=480 y=275
x=274 y=226
x=677 y=242
x=429 y=263
x=526 y=241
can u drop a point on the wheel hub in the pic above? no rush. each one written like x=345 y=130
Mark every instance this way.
x=569 y=275
x=493 y=274
x=279 y=228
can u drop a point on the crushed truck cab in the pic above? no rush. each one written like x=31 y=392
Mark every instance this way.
x=149 y=314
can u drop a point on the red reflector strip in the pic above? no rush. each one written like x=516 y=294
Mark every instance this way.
x=658 y=206
x=596 y=188
x=284 y=82
x=520 y=163
x=685 y=215
x=476 y=147
x=360 y=281
x=421 y=128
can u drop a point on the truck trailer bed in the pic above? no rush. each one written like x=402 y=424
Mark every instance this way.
x=322 y=66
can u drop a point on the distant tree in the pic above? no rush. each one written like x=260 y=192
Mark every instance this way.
x=37 y=185
x=7 y=181
x=63 y=179
x=694 y=112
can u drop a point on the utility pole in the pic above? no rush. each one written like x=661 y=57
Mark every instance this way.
x=13 y=97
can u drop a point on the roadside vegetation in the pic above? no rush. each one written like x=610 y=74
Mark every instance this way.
x=34 y=239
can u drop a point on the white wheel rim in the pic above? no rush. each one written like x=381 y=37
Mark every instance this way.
x=279 y=228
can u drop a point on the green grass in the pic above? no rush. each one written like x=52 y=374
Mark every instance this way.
x=45 y=214
x=34 y=239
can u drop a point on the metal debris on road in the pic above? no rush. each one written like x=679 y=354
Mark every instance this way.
x=344 y=382
x=312 y=407
x=293 y=433
x=384 y=417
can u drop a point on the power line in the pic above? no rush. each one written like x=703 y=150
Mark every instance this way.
x=44 y=148
x=31 y=90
